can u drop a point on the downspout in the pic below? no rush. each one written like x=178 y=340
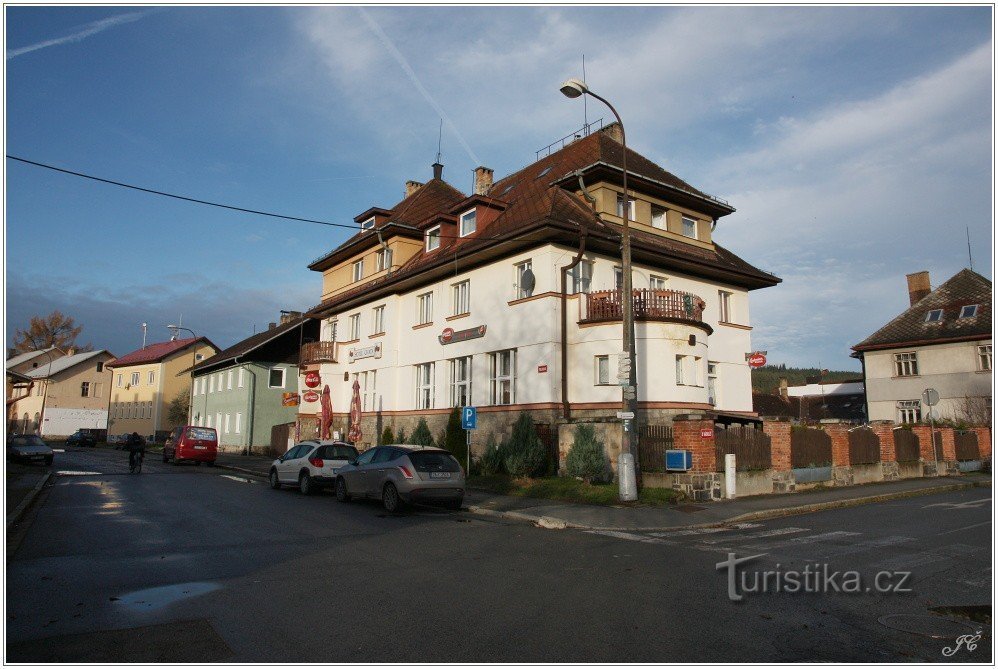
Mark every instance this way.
x=566 y=408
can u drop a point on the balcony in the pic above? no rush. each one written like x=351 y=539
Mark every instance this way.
x=318 y=351
x=671 y=306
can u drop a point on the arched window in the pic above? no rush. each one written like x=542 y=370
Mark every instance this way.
x=25 y=423
x=37 y=424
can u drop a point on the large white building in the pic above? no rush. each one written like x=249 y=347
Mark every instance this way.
x=450 y=300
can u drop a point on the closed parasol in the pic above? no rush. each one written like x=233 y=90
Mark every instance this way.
x=326 y=418
x=355 y=432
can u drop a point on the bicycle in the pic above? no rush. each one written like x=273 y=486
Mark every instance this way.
x=135 y=465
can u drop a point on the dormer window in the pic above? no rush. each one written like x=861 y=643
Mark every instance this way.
x=358 y=270
x=433 y=238
x=468 y=222
x=934 y=316
x=968 y=311
x=368 y=224
x=620 y=207
x=384 y=259
x=689 y=227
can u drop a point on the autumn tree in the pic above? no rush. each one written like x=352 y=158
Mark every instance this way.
x=180 y=406
x=52 y=330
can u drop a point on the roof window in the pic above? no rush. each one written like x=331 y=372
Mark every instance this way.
x=934 y=316
x=968 y=311
x=545 y=171
x=508 y=188
x=433 y=238
x=368 y=224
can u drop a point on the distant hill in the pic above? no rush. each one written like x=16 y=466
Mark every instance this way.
x=766 y=379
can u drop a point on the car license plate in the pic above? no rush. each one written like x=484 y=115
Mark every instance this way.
x=439 y=475
x=37 y=457
x=200 y=448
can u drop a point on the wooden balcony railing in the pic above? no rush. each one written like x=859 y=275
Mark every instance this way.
x=318 y=351
x=649 y=305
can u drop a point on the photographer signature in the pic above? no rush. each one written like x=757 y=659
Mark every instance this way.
x=968 y=640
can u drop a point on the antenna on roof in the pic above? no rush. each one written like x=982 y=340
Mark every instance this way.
x=969 y=254
x=585 y=109
x=144 y=326
x=440 y=138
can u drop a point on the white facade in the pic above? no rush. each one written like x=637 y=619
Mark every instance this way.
x=822 y=389
x=531 y=327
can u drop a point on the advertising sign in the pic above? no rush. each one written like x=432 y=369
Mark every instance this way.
x=312 y=379
x=361 y=352
x=757 y=360
x=289 y=399
x=310 y=396
x=449 y=336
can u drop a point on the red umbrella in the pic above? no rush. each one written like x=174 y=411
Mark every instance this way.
x=327 y=413
x=355 y=432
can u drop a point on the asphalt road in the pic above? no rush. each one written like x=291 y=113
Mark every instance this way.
x=196 y=564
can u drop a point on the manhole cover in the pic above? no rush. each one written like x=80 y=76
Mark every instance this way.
x=688 y=508
x=929 y=626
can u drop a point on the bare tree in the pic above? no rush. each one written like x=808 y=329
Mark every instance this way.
x=975 y=410
x=55 y=329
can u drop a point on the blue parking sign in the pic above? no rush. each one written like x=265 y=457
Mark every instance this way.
x=469 y=418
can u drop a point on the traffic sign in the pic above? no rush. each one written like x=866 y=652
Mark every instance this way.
x=469 y=418
x=625 y=415
x=930 y=396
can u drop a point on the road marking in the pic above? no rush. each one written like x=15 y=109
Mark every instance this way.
x=816 y=538
x=67 y=472
x=705 y=530
x=780 y=531
x=236 y=478
x=629 y=536
x=968 y=527
x=58 y=450
x=972 y=504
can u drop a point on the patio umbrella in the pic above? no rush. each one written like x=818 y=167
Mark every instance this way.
x=355 y=432
x=326 y=419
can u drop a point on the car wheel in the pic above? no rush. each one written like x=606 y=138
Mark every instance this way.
x=341 y=490
x=390 y=498
x=275 y=482
x=305 y=484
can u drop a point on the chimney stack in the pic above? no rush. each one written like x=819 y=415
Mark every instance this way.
x=288 y=316
x=784 y=393
x=71 y=351
x=438 y=171
x=614 y=132
x=271 y=326
x=483 y=180
x=411 y=187
x=918 y=286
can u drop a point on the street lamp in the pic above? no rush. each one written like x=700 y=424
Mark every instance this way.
x=574 y=88
x=190 y=409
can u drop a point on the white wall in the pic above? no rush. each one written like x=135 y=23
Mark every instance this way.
x=64 y=422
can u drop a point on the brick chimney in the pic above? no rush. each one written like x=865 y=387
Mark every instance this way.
x=411 y=187
x=614 y=132
x=438 y=171
x=918 y=286
x=71 y=351
x=288 y=316
x=271 y=326
x=483 y=180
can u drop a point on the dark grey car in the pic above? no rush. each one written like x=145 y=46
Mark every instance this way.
x=401 y=474
x=29 y=448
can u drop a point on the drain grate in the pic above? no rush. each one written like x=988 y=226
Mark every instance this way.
x=933 y=627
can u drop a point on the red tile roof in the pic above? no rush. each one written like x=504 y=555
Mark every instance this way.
x=156 y=352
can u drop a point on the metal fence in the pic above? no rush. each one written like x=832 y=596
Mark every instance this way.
x=810 y=447
x=906 y=446
x=752 y=448
x=966 y=445
x=653 y=442
x=864 y=446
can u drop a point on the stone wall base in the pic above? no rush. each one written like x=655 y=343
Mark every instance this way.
x=951 y=468
x=892 y=471
x=700 y=487
x=929 y=468
x=783 y=482
x=842 y=476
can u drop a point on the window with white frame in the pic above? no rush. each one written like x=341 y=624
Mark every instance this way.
x=135 y=378
x=620 y=207
x=119 y=380
x=240 y=381
x=97 y=389
x=239 y=421
x=354 y=327
x=424 y=386
x=228 y=381
x=658 y=217
x=984 y=357
x=689 y=227
x=218 y=421
x=384 y=259
x=711 y=382
x=368 y=389
x=227 y=423
x=85 y=389
x=460 y=382
x=220 y=385
x=468 y=222
x=724 y=306
x=461 y=298
x=694 y=370
x=519 y=270
x=581 y=277
x=680 y=370
x=151 y=379
x=934 y=316
x=968 y=310
x=657 y=282
x=602 y=370
x=211 y=383
x=909 y=411
x=502 y=378
x=378 y=318
x=276 y=377
x=905 y=364
x=618 y=277
x=368 y=224
x=433 y=238
x=424 y=312
x=358 y=270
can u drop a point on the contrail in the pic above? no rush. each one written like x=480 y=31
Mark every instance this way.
x=416 y=82
x=83 y=32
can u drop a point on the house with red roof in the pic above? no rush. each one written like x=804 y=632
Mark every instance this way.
x=145 y=382
x=509 y=299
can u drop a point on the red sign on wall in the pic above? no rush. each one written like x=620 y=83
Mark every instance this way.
x=541 y=369
x=757 y=360
x=310 y=396
x=446 y=335
x=707 y=433
x=312 y=379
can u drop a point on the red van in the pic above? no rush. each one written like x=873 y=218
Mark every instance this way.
x=191 y=442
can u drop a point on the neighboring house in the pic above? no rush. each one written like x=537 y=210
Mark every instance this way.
x=241 y=391
x=146 y=381
x=942 y=341
x=63 y=395
x=849 y=406
x=449 y=300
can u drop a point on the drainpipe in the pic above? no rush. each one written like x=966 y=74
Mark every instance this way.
x=566 y=408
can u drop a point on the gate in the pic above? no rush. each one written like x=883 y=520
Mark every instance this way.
x=906 y=445
x=966 y=445
x=810 y=447
x=864 y=446
x=279 y=435
x=751 y=447
x=549 y=438
x=653 y=442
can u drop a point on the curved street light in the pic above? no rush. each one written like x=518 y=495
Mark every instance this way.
x=626 y=474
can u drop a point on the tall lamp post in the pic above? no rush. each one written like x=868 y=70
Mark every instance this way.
x=190 y=410
x=626 y=475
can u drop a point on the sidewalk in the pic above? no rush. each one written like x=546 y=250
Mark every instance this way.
x=254 y=465
x=23 y=484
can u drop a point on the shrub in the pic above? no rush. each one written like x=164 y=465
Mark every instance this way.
x=454 y=439
x=400 y=437
x=421 y=435
x=387 y=437
x=587 y=459
x=524 y=454
x=491 y=462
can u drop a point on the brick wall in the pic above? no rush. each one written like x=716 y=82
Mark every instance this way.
x=983 y=441
x=924 y=434
x=884 y=429
x=779 y=435
x=686 y=434
x=839 y=433
x=949 y=443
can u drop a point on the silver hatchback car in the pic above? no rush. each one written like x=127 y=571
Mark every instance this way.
x=401 y=474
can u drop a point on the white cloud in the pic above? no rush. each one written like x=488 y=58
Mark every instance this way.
x=82 y=32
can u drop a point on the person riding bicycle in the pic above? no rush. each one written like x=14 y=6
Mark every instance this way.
x=134 y=444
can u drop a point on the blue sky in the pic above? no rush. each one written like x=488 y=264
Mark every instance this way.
x=854 y=142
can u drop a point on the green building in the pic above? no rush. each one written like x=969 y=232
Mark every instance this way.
x=252 y=386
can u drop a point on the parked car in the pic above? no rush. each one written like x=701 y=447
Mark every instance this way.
x=81 y=438
x=193 y=443
x=400 y=474
x=118 y=440
x=29 y=448
x=312 y=465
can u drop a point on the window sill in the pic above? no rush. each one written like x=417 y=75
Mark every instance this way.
x=349 y=341
x=734 y=325
x=538 y=296
x=422 y=325
x=457 y=316
x=376 y=335
x=906 y=376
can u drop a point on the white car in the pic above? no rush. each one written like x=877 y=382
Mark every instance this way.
x=311 y=465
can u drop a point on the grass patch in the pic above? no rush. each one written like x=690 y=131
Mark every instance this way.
x=568 y=489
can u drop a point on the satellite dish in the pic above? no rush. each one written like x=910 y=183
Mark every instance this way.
x=527 y=282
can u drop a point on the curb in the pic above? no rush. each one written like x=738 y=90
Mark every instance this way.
x=241 y=470
x=16 y=514
x=550 y=522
